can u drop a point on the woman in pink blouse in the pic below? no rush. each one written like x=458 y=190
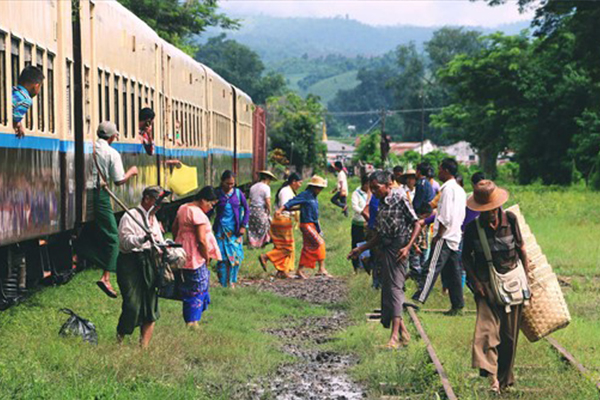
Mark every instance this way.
x=192 y=229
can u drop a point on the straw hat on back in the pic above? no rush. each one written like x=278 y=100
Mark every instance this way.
x=268 y=174
x=487 y=196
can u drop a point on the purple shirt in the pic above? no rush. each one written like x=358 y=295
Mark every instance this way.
x=470 y=215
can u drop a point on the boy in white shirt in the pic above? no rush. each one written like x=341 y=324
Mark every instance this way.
x=341 y=189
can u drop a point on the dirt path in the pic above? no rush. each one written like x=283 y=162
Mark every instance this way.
x=318 y=374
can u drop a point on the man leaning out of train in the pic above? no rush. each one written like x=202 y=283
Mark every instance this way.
x=99 y=240
x=136 y=274
x=29 y=85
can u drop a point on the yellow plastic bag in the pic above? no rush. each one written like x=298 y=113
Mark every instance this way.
x=183 y=180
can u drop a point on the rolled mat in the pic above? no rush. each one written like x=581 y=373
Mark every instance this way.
x=547 y=310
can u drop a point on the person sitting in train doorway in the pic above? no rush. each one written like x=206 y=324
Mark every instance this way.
x=29 y=85
x=99 y=240
x=146 y=122
x=230 y=226
x=341 y=189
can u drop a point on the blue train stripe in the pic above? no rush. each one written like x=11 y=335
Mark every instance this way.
x=9 y=140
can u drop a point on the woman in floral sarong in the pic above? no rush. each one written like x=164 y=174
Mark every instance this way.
x=230 y=226
x=193 y=231
x=260 y=211
x=313 y=245
x=282 y=234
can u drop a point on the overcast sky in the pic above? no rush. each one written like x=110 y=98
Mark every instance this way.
x=390 y=12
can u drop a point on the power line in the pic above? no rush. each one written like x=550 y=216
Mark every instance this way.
x=389 y=112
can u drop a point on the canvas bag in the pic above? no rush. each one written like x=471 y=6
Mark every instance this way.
x=511 y=288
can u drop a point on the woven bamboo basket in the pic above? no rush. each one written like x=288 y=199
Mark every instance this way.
x=547 y=310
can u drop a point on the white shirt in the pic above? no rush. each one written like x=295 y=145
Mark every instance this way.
x=342 y=183
x=110 y=163
x=131 y=235
x=259 y=193
x=451 y=213
x=285 y=195
x=359 y=202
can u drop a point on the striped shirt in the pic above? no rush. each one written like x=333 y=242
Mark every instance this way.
x=21 y=103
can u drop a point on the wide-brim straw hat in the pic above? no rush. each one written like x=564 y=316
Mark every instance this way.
x=410 y=172
x=268 y=173
x=487 y=196
x=317 y=181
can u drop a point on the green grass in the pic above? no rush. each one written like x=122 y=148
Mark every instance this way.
x=326 y=89
x=232 y=348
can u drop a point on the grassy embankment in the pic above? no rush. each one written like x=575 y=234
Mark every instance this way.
x=230 y=349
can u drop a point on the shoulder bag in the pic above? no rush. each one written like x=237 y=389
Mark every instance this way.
x=508 y=289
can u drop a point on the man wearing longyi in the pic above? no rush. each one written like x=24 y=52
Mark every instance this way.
x=497 y=326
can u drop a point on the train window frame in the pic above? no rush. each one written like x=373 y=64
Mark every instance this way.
x=51 y=92
x=69 y=92
x=115 y=101
x=41 y=112
x=100 y=91
x=134 y=121
x=87 y=85
x=124 y=93
x=140 y=91
x=15 y=59
x=28 y=61
x=3 y=87
x=107 y=99
x=152 y=98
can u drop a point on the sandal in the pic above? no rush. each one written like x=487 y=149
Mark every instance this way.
x=106 y=289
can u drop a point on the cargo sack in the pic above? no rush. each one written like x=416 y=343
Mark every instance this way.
x=77 y=326
x=547 y=311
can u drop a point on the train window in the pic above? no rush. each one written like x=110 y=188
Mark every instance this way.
x=116 y=100
x=125 y=110
x=147 y=93
x=152 y=99
x=27 y=59
x=100 y=103
x=194 y=128
x=40 y=97
x=15 y=63
x=86 y=97
x=107 y=97
x=132 y=105
x=50 y=86
x=69 y=96
x=3 y=95
x=140 y=90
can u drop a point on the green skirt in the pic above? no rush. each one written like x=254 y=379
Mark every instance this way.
x=136 y=277
x=99 y=240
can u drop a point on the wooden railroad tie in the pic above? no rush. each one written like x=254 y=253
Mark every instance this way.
x=571 y=359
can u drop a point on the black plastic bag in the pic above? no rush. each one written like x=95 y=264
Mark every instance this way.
x=77 y=326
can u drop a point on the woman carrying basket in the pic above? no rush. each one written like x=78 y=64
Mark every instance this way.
x=497 y=326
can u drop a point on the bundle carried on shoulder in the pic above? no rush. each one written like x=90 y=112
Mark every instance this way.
x=547 y=311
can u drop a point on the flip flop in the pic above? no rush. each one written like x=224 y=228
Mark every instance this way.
x=109 y=292
x=262 y=263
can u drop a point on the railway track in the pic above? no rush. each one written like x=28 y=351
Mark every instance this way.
x=439 y=368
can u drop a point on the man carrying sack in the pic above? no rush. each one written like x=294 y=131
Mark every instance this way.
x=137 y=275
x=99 y=241
x=498 y=321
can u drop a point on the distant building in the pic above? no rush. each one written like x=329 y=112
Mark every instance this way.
x=338 y=151
x=400 y=148
x=462 y=152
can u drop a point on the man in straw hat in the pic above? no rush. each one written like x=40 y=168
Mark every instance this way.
x=496 y=331
x=313 y=245
x=260 y=210
x=396 y=230
x=99 y=241
x=447 y=235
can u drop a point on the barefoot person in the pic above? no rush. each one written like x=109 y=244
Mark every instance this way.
x=193 y=231
x=313 y=245
x=136 y=274
x=496 y=331
x=396 y=230
x=99 y=241
x=260 y=211
x=230 y=226
x=282 y=234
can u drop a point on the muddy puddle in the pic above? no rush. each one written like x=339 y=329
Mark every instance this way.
x=317 y=373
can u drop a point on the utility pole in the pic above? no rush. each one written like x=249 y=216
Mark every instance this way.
x=384 y=143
